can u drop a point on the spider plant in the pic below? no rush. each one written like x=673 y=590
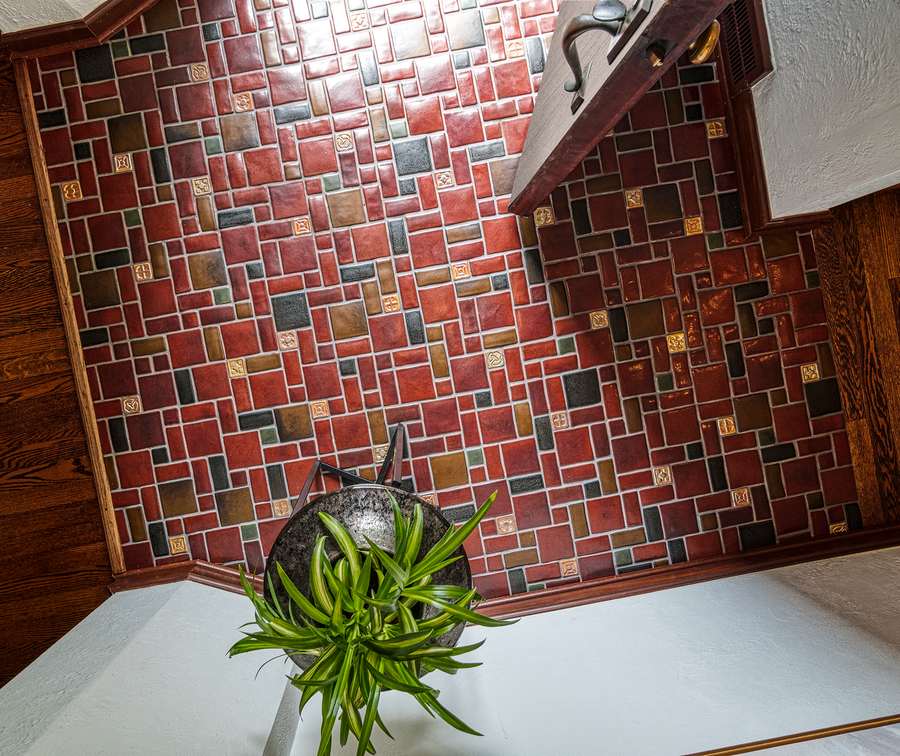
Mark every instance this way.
x=366 y=626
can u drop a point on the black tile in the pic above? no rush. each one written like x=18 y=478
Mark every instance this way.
x=461 y=59
x=459 y=514
x=500 y=282
x=592 y=490
x=218 y=471
x=351 y=273
x=486 y=151
x=83 y=151
x=113 y=259
x=277 y=485
x=618 y=324
x=407 y=186
x=580 y=217
x=368 y=67
x=52 y=118
x=517 y=581
x=622 y=237
x=182 y=132
x=696 y=74
x=483 y=399
x=822 y=397
x=633 y=568
x=412 y=156
x=534 y=51
x=232 y=218
x=582 y=388
x=766 y=325
x=160 y=162
x=347 y=367
x=778 y=453
x=543 y=429
x=534 y=269
x=159 y=455
x=151 y=43
x=705 y=182
x=815 y=500
x=158 y=541
x=653 y=524
x=853 y=516
x=757 y=535
x=255 y=270
x=415 y=327
x=730 y=210
x=94 y=336
x=715 y=466
x=290 y=311
x=95 y=64
x=255 y=420
x=677 y=551
x=526 y=483
x=755 y=290
x=117 y=434
x=695 y=450
x=693 y=112
x=397 y=236
x=211 y=32
x=734 y=358
x=637 y=140
x=295 y=111
x=185 y=386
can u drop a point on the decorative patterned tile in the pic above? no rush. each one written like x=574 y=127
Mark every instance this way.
x=809 y=372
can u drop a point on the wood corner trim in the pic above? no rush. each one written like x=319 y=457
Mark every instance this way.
x=195 y=571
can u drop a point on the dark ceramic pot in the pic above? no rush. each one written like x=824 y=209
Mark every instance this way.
x=364 y=510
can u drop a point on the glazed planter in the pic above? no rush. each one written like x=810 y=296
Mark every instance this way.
x=365 y=511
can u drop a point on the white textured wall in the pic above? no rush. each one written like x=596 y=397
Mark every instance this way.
x=828 y=115
x=16 y=15
x=663 y=674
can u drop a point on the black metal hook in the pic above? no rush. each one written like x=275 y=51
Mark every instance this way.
x=608 y=16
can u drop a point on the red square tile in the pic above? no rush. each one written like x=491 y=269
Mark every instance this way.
x=497 y=424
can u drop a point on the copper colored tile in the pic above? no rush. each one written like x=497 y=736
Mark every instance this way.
x=346 y=208
x=100 y=289
x=779 y=245
x=499 y=338
x=126 y=133
x=243 y=310
x=380 y=131
x=374 y=96
x=471 y=288
x=774 y=483
x=317 y=98
x=520 y=558
x=292 y=171
x=143 y=347
x=449 y=470
x=580 y=527
x=68 y=78
x=559 y=302
x=634 y=421
x=348 y=320
x=102 y=108
x=433 y=276
x=213 y=340
x=377 y=428
x=527 y=539
x=502 y=174
x=207 y=213
x=271 y=56
x=136 y=524
x=708 y=522
x=439 y=364
x=623 y=352
x=778 y=397
x=386 y=276
x=239 y=132
x=207 y=270
x=263 y=362
x=524 y=425
x=177 y=498
x=752 y=412
x=371 y=297
x=645 y=320
x=465 y=233
x=527 y=231
x=164 y=193
x=293 y=423
x=410 y=40
x=628 y=538
x=434 y=333
x=607 y=475
x=235 y=506
x=603 y=184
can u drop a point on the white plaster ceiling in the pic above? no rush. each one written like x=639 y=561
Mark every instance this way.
x=16 y=15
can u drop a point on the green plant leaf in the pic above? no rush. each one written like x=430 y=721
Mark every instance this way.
x=459 y=609
x=337 y=616
x=448 y=665
x=331 y=703
x=401 y=531
x=344 y=541
x=298 y=598
x=399 y=575
x=430 y=702
x=388 y=678
x=318 y=584
x=323 y=669
x=407 y=621
x=402 y=644
x=440 y=651
x=386 y=606
x=443 y=592
x=414 y=540
x=373 y=696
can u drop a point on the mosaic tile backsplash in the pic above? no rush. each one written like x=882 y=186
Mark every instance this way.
x=286 y=232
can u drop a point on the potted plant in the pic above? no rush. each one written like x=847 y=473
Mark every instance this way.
x=364 y=616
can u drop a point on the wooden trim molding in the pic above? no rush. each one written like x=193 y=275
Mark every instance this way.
x=70 y=325
x=95 y=28
x=195 y=571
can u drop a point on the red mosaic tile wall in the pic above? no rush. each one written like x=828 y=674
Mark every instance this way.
x=286 y=230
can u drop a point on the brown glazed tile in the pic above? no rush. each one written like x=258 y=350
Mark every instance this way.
x=235 y=506
x=126 y=133
x=143 y=347
x=674 y=107
x=165 y=193
x=472 y=288
x=465 y=233
x=136 y=524
x=708 y=522
x=386 y=278
x=628 y=538
x=263 y=362
x=752 y=412
x=162 y=16
x=177 y=498
x=102 y=109
x=207 y=270
x=779 y=245
x=464 y=30
x=774 y=483
x=579 y=521
x=524 y=425
x=380 y=132
x=595 y=243
x=371 y=297
x=520 y=558
x=243 y=310
x=433 y=276
x=623 y=352
x=527 y=231
x=346 y=208
x=559 y=301
x=645 y=319
x=377 y=428
x=662 y=203
x=239 y=132
x=206 y=211
x=348 y=320
x=293 y=423
x=527 y=539
x=633 y=419
x=213 y=340
x=439 y=365
x=100 y=289
x=410 y=40
x=271 y=56
x=499 y=338
x=318 y=101
x=607 y=474
x=604 y=184
x=434 y=333
x=502 y=174
x=449 y=470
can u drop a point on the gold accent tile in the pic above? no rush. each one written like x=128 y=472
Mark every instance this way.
x=199 y=72
x=143 y=271
x=506 y=524
x=359 y=21
x=178 y=545
x=242 y=102
x=429 y=497
x=559 y=420
x=343 y=141
x=693 y=226
x=201 y=186
x=662 y=476
x=282 y=507
x=71 y=190
x=380 y=452
x=599 y=319
x=391 y=303
x=634 y=198
x=460 y=270
x=726 y=426
x=495 y=359
x=444 y=179
x=838 y=527
x=515 y=49
x=677 y=342
x=715 y=129
x=319 y=409
x=287 y=340
x=237 y=368
x=543 y=216
x=131 y=405
x=568 y=567
x=809 y=372
x=301 y=226
x=740 y=497
x=122 y=163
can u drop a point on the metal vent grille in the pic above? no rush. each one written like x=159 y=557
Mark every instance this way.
x=746 y=45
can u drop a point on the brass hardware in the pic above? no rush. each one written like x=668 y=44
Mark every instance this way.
x=656 y=54
x=702 y=47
